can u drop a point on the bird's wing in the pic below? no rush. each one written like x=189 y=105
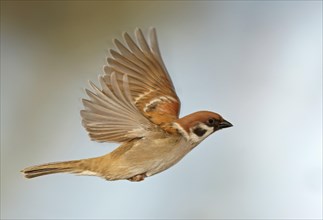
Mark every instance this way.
x=150 y=85
x=110 y=114
x=137 y=93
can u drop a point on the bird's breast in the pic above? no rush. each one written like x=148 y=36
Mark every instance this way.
x=157 y=154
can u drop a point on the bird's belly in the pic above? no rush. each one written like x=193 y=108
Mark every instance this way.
x=157 y=157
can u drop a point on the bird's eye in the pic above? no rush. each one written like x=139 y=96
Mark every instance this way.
x=211 y=122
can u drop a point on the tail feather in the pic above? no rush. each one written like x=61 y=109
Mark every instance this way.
x=51 y=168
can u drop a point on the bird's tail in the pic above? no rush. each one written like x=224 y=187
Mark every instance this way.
x=74 y=166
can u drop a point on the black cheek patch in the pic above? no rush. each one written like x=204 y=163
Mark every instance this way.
x=199 y=131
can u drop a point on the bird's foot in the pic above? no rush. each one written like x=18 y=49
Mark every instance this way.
x=138 y=178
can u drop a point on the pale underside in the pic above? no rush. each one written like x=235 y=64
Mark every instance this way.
x=142 y=157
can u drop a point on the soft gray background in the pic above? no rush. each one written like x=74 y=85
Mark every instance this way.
x=259 y=64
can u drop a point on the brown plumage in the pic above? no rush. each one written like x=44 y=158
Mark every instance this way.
x=137 y=106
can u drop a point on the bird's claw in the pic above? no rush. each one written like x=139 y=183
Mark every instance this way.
x=138 y=178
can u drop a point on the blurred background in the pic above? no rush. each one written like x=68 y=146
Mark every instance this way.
x=259 y=64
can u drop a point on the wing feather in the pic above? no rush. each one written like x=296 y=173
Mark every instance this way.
x=111 y=115
x=142 y=42
x=149 y=82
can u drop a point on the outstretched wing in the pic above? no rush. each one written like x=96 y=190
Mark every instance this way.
x=111 y=115
x=149 y=82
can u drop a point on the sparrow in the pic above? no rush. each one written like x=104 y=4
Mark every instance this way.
x=136 y=105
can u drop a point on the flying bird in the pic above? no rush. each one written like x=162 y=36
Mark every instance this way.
x=136 y=105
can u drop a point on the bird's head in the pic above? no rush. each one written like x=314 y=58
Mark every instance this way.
x=199 y=125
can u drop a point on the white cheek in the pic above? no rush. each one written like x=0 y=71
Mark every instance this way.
x=194 y=138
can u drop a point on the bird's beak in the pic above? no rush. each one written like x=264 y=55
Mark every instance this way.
x=225 y=124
